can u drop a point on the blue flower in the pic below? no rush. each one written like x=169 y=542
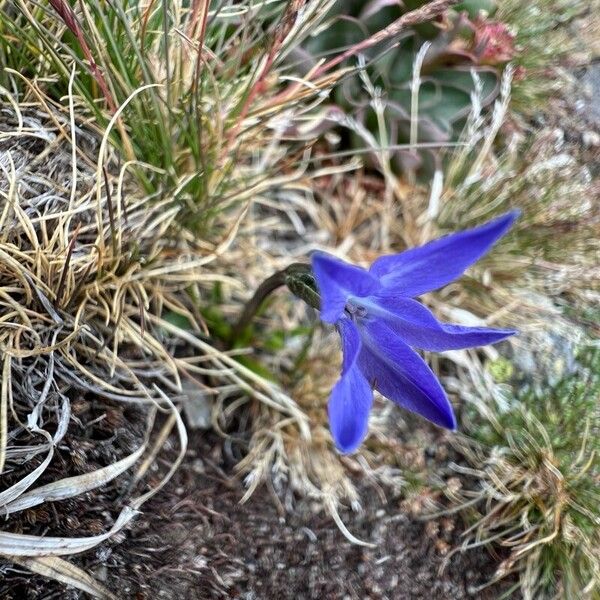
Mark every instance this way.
x=380 y=322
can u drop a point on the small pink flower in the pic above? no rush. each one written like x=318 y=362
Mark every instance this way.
x=493 y=43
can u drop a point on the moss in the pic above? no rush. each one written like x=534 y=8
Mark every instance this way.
x=500 y=369
x=543 y=38
x=538 y=463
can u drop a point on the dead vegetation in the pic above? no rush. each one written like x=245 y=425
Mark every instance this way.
x=88 y=271
x=117 y=280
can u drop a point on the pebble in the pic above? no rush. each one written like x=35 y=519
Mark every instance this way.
x=590 y=139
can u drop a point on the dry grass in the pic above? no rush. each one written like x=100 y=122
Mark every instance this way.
x=530 y=479
x=107 y=290
x=89 y=269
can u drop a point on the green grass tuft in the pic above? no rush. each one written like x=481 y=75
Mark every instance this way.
x=537 y=459
x=543 y=40
x=189 y=82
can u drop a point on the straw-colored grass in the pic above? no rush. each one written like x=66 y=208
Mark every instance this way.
x=89 y=270
x=531 y=480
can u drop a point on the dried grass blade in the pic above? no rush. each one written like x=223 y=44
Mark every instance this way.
x=63 y=571
x=31 y=545
x=183 y=443
x=74 y=486
x=6 y=383
x=14 y=491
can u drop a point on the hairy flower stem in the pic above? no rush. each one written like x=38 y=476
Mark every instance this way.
x=299 y=279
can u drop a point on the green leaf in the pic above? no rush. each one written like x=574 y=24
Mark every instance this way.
x=218 y=325
x=177 y=319
x=474 y=7
x=256 y=367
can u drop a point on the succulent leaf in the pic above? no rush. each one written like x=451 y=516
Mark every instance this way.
x=454 y=65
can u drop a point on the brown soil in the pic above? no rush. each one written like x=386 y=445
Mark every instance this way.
x=196 y=541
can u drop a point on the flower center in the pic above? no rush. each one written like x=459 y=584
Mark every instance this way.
x=355 y=310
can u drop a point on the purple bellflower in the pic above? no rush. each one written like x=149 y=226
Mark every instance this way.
x=380 y=322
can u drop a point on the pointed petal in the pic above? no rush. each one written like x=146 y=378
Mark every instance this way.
x=351 y=398
x=337 y=281
x=351 y=342
x=437 y=263
x=349 y=406
x=418 y=327
x=401 y=375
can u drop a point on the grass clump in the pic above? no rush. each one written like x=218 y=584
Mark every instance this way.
x=545 y=40
x=187 y=86
x=90 y=270
x=536 y=457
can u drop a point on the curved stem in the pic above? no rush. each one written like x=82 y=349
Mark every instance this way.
x=253 y=305
x=267 y=287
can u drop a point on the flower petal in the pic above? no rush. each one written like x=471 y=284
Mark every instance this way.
x=400 y=374
x=351 y=398
x=351 y=342
x=337 y=280
x=418 y=327
x=429 y=267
